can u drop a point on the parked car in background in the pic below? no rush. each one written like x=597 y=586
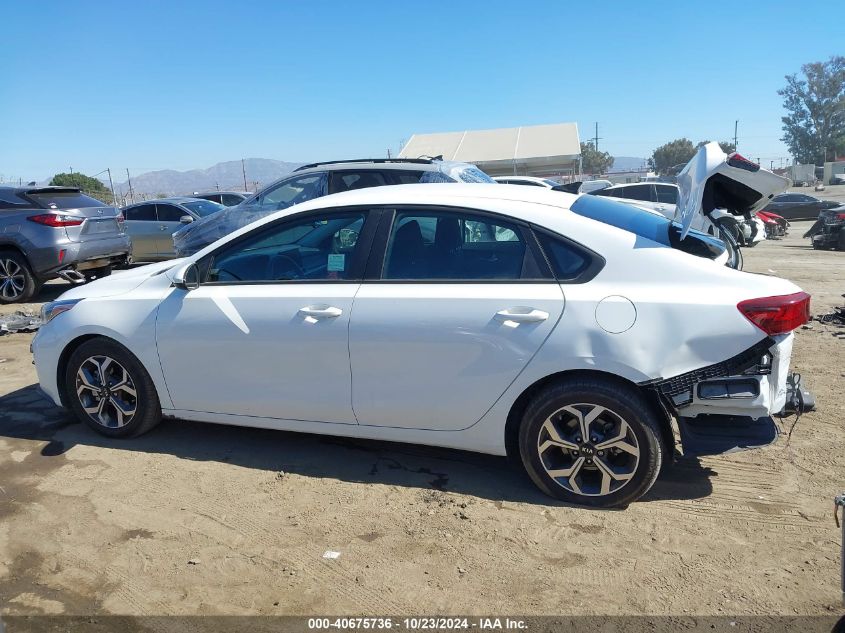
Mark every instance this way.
x=49 y=232
x=564 y=331
x=226 y=198
x=150 y=225
x=319 y=179
x=530 y=181
x=828 y=232
x=798 y=206
x=776 y=226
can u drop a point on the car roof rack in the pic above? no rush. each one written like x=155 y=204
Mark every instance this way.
x=427 y=160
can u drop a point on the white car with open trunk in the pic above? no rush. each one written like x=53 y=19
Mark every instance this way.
x=567 y=331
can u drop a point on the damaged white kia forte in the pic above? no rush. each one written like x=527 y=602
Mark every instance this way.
x=570 y=332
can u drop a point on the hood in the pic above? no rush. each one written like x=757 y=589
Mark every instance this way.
x=119 y=282
x=715 y=180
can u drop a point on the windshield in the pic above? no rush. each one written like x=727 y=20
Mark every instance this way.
x=624 y=216
x=65 y=200
x=203 y=208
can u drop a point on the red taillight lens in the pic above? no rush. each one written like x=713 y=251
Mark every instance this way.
x=840 y=216
x=741 y=162
x=777 y=315
x=56 y=220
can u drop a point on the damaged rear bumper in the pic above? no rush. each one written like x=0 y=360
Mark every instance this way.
x=752 y=383
x=728 y=406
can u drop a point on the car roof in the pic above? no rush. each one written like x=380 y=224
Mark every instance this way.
x=529 y=178
x=393 y=164
x=37 y=189
x=214 y=193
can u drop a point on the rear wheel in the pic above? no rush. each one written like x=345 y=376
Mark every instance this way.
x=17 y=283
x=109 y=389
x=591 y=442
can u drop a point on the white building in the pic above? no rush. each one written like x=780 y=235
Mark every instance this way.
x=537 y=150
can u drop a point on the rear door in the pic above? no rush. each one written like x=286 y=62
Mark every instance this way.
x=142 y=227
x=448 y=318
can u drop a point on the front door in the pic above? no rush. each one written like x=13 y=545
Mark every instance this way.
x=142 y=228
x=266 y=334
x=462 y=306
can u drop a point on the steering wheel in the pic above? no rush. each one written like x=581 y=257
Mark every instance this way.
x=298 y=271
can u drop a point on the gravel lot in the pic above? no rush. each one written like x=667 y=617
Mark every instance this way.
x=208 y=519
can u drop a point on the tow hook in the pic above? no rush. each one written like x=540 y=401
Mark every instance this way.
x=839 y=502
x=71 y=275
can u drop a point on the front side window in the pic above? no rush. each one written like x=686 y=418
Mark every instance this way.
x=169 y=213
x=142 y=213
x=443 y=245
x=313 y=248
x=293 y=191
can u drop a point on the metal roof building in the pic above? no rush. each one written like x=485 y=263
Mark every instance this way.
x=537 y=150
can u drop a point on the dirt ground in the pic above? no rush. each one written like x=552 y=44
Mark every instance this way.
x=205 y=519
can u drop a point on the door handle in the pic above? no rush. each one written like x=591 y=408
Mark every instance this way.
x=163 y=227
x=321 y=312
x=522 y=315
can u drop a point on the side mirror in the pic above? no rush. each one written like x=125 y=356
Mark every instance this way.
x=186 y=219
x=188 y=278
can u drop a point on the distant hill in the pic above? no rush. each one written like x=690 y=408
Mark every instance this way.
x=225 y=176
x=628 y=163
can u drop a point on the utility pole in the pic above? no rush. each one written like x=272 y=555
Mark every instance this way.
x=388 y=154
x=771 y=165
x=129 y=180
x=243 y=169
x=736 y=141
x=111 y=184
x=596 y=138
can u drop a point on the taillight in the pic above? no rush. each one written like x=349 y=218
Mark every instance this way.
x=777 y=315
x=840 y=216
x=56 y=220
x=741 y=162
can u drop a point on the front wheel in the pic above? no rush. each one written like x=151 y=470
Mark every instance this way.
x=109 y=390
x=591 y=442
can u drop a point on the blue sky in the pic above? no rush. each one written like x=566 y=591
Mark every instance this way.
x=183 y=85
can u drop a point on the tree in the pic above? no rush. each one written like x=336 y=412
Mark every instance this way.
x=86 y=184
x=676 y=152
x=814 y=127
x=727 y=146
x=594 y=161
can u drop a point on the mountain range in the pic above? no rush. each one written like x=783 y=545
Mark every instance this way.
x=226 y=176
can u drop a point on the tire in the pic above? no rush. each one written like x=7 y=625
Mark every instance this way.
x=551 y=440
x=840 y=243
x=17 y=283
x=97 y=273
x=122 y=367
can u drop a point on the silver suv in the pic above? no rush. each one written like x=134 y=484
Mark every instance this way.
x=49 y=232
x=320 y=179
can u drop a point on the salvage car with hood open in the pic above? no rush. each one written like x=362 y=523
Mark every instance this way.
x=568 y=332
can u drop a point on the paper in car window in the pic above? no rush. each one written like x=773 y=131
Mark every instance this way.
x=337 y=262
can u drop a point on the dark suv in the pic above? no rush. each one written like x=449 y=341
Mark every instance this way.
x=321 y=179
x=49 y=232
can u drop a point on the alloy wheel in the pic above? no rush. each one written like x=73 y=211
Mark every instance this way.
x=588 y=449
x=12 y=279
x=106 y=392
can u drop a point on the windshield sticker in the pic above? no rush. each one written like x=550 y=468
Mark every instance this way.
x=337 y=262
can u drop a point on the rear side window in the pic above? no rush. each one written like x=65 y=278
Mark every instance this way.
x=230 y=200
x=65 y=200
x=350 y=180
x=666 y=194
x=638 y=192
x=8 y=200
x=406 y=176
x=143 y=213
x=567 y=260
x=456 y=246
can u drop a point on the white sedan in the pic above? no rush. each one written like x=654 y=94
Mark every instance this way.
x=564 y=330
